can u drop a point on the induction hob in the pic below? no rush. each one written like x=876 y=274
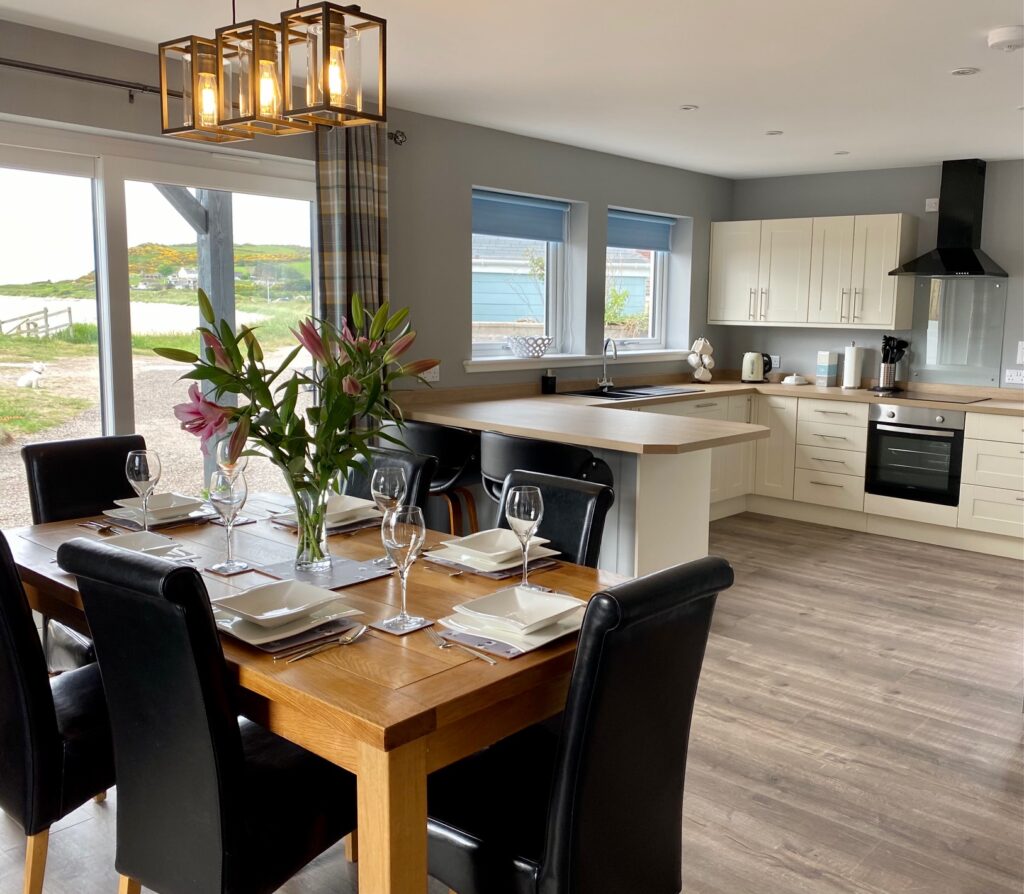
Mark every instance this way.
x=927 y=395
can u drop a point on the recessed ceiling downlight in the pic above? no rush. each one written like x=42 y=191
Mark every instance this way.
x=964 y=72
x=688 y=108
x=773 y=133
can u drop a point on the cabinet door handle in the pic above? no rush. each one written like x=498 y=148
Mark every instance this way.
x=833 y=412
x=764 y=304
x=833 y=437
x=700 y=406
x=821 y=459
x=1020 y=499
x=750 y=302
x=825 y=484
x=842 y=304
x=856 y=292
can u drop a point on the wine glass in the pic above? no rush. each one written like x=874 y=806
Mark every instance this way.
x=388 y=485
x=224 y=461
x=404 y=532
x=143 y=470
x=227 y=494
x=524 y=509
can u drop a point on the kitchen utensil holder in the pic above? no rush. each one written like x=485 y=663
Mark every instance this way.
x=887 y=375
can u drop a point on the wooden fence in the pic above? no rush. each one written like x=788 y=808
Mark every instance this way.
x=38 y=324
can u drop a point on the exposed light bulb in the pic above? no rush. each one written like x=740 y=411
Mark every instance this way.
x=207 y=100
x=337 y=81
x=270 y=89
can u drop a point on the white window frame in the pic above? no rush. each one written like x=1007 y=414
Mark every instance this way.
x=659 y=306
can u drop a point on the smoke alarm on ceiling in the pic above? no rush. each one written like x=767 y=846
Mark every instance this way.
x=1007 y=39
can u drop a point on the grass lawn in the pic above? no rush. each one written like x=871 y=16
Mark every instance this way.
x=30 y=410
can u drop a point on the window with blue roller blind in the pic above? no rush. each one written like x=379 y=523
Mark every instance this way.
x=636 y=278
x=518 y=252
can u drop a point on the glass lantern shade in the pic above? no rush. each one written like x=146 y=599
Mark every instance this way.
x=250 y=79
x=189 y=93
x=334 y=65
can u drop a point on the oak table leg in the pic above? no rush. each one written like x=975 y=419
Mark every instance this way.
x=128 y=885
x=352 y=847
x=35 y=861
x=392 y=817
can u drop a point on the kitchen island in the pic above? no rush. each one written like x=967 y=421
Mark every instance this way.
x=661 y=467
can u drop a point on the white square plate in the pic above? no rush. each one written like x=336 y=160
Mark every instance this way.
x=163 y=505
x=257 y=636
x=341 y=510
x=478 y=563
x=277 y=604
x=144 y=542
x=495 y=545
x=521 y=609
x=525 y=642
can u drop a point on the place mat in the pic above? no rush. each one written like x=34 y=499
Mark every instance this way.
x=199 y=517
x=482 y=643
x=351 y=528
x=309 y=637
x=508 y=573
x=342 y=573
x=379 y=625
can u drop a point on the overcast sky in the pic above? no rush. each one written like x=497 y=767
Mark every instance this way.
x=46 y=224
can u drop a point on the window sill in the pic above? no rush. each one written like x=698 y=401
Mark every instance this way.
x=556 y=361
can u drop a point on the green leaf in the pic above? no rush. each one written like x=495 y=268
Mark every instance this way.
x=206 y=308
x=291 y=395
x=176 y=355
x=285 y=364
x=357 y=313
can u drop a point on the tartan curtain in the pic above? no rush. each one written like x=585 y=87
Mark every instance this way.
x=352 y=218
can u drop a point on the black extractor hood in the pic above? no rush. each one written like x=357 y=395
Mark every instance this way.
x=958 y=249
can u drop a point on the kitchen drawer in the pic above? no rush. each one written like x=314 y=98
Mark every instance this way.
x=829 y=489
x=985 y=427
x=834 y=412
x=707 y=409
x=824 y=434
x=996 y=510
x=828 y=459
x=993 y=464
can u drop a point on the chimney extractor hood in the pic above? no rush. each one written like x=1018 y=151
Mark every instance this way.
x=958 y=249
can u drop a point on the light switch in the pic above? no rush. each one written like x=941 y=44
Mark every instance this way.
x=433 y=374
x=931 y=205
x=1020 y=353
x=1014 y=377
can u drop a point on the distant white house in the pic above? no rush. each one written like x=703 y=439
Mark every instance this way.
x=184 y=278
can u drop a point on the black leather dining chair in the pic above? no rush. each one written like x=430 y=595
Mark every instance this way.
x=598 y=808
x=207 y=804
x=55 y=749
x=419 y=471
x=574 y=513
x=501 y=454
x=458 y=464
x=74 y=479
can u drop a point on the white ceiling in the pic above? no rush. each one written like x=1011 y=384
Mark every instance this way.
x=870 y=77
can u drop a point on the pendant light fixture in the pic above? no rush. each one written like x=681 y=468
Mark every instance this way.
x=324 y=64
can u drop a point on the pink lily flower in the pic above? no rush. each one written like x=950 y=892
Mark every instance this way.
x=220 y=356
x=350 y=385
x=202 y=417
x=399 y=347
x=309 y=338
x=418 y=367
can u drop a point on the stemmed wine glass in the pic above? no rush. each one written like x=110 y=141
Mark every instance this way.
x=224 y=461
x=388 y=486
x=524 y=509
x=143 y=470
x=404 y=532
x=227 y=494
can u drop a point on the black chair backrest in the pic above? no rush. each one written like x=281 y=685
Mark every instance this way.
x=30 y=751
x=73 y=479
x=419 y=471
x=177 y=747
x=615 y=817
x=574 y=513
x=457 y=449
x=501 y=454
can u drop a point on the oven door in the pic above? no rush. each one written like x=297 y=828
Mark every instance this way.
x=914 y=463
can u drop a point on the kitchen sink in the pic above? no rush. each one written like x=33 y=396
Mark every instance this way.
x=634 y=392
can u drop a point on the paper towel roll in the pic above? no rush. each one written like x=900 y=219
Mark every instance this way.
x=853 y=363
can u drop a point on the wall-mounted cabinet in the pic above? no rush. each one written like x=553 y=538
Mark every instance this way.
x=830 y=272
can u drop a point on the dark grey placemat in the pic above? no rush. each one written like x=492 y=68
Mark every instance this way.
x=342 y=573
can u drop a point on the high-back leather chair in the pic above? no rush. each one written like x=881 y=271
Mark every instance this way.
x=74 y=479
x=206 y=805
x=419 y=470
x=458 y=463
x=597 y=809
x=55 y=750
x=501 y=454
x=574 y=513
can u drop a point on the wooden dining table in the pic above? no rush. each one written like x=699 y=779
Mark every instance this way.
x=389 y=709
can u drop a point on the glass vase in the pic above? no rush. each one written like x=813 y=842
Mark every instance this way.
x=311 y=553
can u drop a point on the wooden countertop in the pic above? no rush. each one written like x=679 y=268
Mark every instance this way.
x=570 y=420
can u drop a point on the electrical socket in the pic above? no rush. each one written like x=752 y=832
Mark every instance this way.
x=433 y=374
x=1014 y=377
x=931 y=205
x=776 y=361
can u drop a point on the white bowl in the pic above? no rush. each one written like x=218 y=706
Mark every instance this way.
x=494 y=545
x=521 y=609
x=277 y=604
x=529 y=345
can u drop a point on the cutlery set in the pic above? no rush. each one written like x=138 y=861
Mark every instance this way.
x=306 y=651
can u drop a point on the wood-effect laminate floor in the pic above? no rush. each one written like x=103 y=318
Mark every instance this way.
x=858 y=729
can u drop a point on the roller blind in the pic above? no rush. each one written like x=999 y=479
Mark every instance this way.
x=650 y=232
x=519 y=217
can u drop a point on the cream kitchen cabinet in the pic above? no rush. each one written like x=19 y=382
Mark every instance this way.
x=735 y=257
x=882 y=242
x=774 y=463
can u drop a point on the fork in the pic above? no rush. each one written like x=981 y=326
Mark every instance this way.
x=443 y=643
x=343 y=640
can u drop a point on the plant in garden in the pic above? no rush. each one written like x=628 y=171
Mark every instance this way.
x=354 y=365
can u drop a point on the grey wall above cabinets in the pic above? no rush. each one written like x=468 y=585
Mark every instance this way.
x=879 y=192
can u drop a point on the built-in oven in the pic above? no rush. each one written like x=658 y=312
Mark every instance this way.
x=915 y=453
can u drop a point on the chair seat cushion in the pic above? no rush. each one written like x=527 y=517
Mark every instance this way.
x=66 y=649
x=85 y=736
x=298 y=805
x=488 y=815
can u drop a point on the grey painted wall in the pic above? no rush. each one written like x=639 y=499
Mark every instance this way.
x=879 y=192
